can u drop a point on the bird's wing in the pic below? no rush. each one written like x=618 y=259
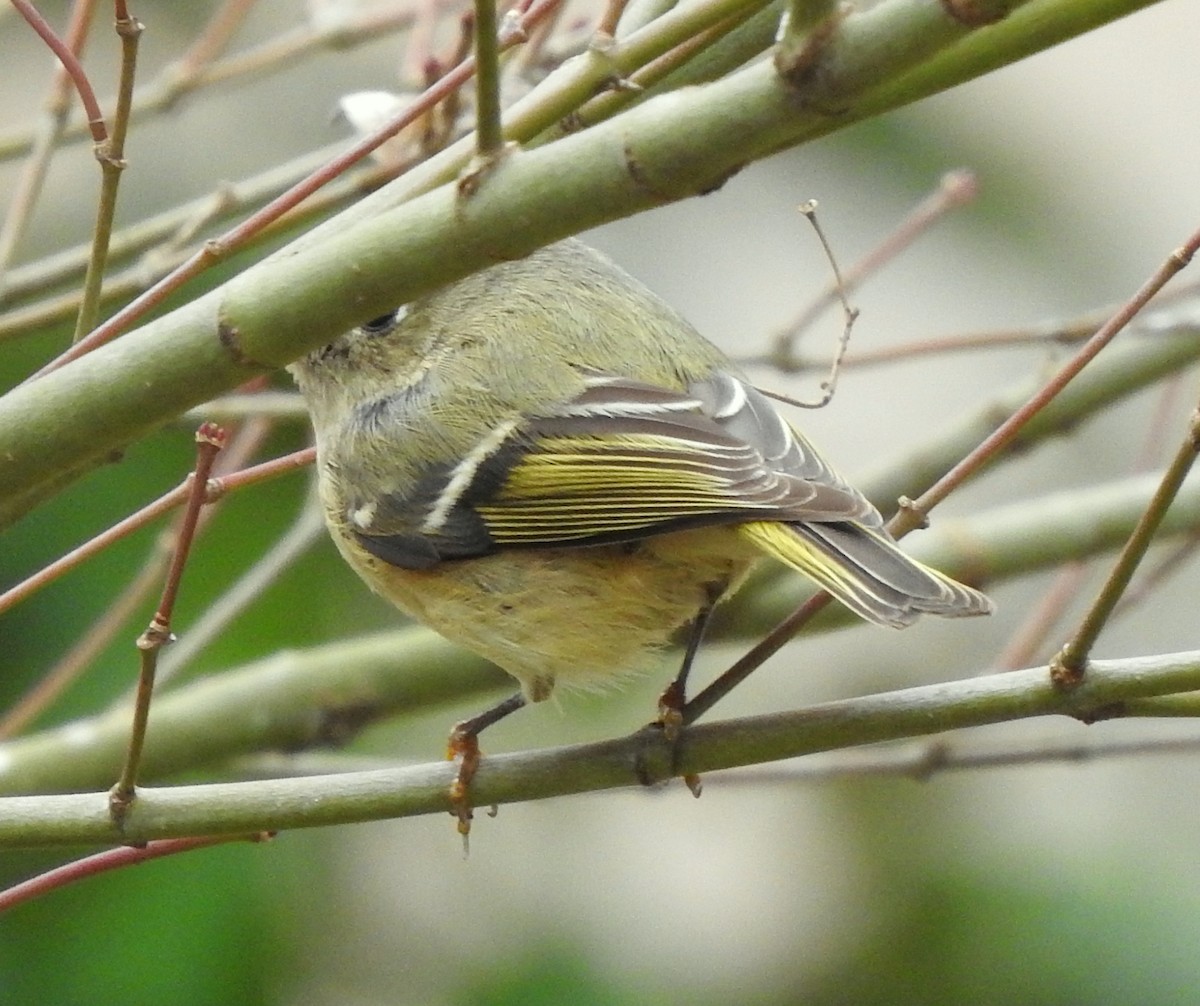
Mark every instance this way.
x=621 y=461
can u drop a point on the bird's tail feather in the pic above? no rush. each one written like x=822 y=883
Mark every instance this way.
x=866 y=570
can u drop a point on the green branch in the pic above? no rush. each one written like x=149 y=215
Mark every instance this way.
x=670 y=147
x=403 y=792
x=286 y=702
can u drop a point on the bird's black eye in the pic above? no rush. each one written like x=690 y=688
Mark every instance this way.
x=378 y=326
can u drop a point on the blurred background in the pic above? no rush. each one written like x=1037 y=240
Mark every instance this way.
x=1054 y=883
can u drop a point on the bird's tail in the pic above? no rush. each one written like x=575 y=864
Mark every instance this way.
x=866 y=570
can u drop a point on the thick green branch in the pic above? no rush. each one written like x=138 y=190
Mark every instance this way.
x=289 y=701
x=671 y=147
x=364 y=796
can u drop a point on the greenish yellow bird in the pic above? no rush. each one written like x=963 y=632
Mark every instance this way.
x=549 y=466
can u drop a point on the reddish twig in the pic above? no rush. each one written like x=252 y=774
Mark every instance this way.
x=102 y=632
x=43 y=692
x=66 y=56
x=212 y=39
x=914 y=514
x=28 y=188
x=48 y=574
x=1025 y=643
x=111 y=859
x=168 y=501
x=262 y=472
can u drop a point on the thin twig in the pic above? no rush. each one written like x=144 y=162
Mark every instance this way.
x=263 y=472
x=1157 y=574
x=1029 y=638
x=923 y=760
x=70 y=62
x=606 y=26
x=174 y=224
x=618 y=74
x=29 y=183
x=525 y=121
x=209 y=440
x=489 y=134
x=111 y=859
x=304 y=531
x=914 y=514
x=955 y=189
x=271 y=404
x=759 y=654
x=1042 y=336
x=419 y=44
x=46 y=690
x=1113 y=688
x=168 y=501
x=1067 y=668
x=173 y=83
x=48 y=574
x=849 y=317
x=531 y=56
x=210 y=42
x=111 y=156
x=244 y=443
x=920 y=761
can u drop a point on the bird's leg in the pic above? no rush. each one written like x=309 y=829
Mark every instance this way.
x=674 y=696
x=672 y=701
x=463 y=746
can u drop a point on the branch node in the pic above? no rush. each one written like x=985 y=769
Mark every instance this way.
x=1181 y=257
x=654 y=757
x=120 y=799
x=215 y=489
x=803 y=44
x=1066 y=670
x=156 y=635
x=918 y=518
x=619 y=84
x=1107 y=711
x=129 y=27
x=976 y=13
x=481 y=168
x=934 y=757
x=230 y=337
x=211 y=434
x=215 y=249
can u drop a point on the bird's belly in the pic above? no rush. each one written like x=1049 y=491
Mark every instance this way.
x=575 y=617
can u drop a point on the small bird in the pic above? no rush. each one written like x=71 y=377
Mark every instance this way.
x=548 y=465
